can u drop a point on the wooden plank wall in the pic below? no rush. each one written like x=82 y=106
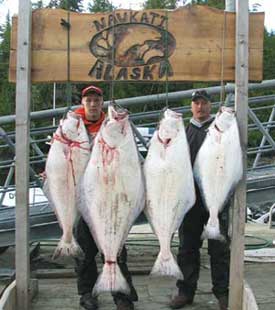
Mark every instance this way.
x=198 y=41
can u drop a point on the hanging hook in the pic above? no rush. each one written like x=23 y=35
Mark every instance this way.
x=67 y=25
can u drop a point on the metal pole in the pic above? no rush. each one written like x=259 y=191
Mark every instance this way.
x=12 y=146
x=270 y=215
x=257 y=158
x=151 y=99
x=7 y=183
x=23 y=94
x=54 y=100
x=139 y=135
x=241 y=107
x=261 y=128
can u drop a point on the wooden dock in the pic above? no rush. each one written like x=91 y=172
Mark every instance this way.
x=57 y=282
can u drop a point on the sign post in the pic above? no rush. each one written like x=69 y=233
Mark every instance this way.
x=23 y=94
x=241 y=107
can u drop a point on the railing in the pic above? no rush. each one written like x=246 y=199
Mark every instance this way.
x=259 y=156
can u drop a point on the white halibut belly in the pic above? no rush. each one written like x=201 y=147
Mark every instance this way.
x=217 y=169
x=170 y=194
x=112 y=196
x=63 y=174
x=113 y=192
x=61 y=187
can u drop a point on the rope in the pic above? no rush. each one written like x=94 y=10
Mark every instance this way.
x=113 y=59
x=166 y=59
x=67 y=25
x=69 y=86
x=222 y=92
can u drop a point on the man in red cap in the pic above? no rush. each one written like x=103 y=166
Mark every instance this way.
x=91 y=109
x=86 y=268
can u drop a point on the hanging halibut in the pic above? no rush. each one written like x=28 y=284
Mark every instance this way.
x=218 y=167
x=66 y=162
x=114 y=195
x=170 y=187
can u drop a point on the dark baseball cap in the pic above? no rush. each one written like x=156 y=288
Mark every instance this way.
x=92 y=89
x=201 y=94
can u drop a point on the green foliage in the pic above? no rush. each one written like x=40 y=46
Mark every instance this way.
x=100 y=6
x=7 y=90
x=38 y=5
x=73 y=5
x=219 y=4
x=269 y=55
x=53 y=4
x=160 y=4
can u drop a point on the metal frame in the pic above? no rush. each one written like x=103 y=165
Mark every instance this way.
x=39 y=136
x=271 y=118
x=270 y=216
x=148 y=99
x=150 y=118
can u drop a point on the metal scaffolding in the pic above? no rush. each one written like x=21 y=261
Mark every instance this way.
x=259 y=156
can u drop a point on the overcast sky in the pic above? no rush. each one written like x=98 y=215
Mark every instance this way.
x=268 y=6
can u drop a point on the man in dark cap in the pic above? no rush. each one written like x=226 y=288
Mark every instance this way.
x=86 y=268
x=192 y=226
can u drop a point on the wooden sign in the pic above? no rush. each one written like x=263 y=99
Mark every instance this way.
x=193 y=43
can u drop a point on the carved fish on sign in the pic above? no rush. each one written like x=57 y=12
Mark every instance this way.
x=132 y=45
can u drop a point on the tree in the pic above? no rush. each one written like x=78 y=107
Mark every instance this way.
x=100 y=6
x=37 y=5
x=160 y=4
x=73 y=5
x=7 y=90
x=218 y=4
x=269 y=55
x=53 y=4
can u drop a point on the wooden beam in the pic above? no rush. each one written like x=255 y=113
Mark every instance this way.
x=241 y=107
x=23 y=92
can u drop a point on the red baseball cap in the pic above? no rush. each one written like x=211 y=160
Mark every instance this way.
x=92 y=89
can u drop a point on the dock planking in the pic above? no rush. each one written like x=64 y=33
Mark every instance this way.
x=58 y=289
x=154 y=293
